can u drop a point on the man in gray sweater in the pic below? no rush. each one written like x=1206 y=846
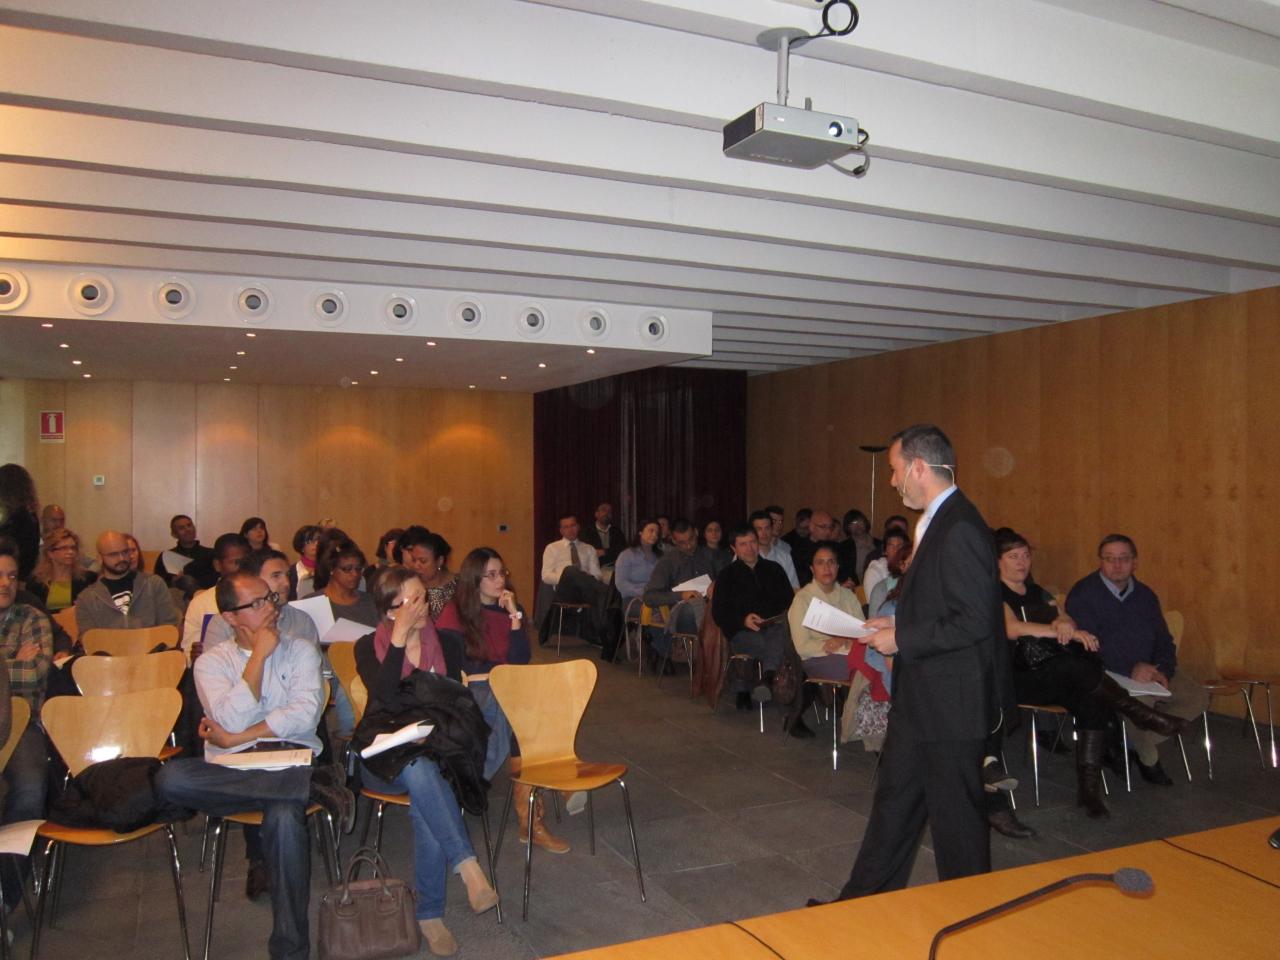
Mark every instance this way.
x=123 y=599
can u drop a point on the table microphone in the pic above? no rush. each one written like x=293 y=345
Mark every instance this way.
x=1128 y=879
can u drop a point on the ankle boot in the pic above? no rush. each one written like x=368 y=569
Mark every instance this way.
x=1089 y=750
x=1137 y=712
x=542 y=837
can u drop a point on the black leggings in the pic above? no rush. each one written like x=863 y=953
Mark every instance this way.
x=1067 y=681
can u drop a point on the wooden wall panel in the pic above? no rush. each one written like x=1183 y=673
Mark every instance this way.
x=99 y=441
x=164 y=451
x=288 y=462
x=1162 y=423
x=47 y=462
x=226 y=457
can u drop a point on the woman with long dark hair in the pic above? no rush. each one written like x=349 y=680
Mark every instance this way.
x=19 y=516
x=634 y=566
x=485 y=617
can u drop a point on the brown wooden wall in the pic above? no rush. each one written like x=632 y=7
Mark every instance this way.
x=459 y=462
x=1161 y=423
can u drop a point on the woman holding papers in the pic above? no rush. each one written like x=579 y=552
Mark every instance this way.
x=828 y=657
x=1054 y=663
x=404 y=642
x=487 y=622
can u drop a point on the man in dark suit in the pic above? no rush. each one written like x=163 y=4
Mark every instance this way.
x=946 y=679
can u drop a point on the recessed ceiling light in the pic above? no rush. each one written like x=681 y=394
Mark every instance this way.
x=502 y=376
x=250 y=335
x=233 y=367
x=399 y=359
x=373 y=373
x=88 y=376
x=64 y=346
x=226 y=379
x=471 y=386
x=239 y=353
x=355 y=383
x=431 y=343
x=77 y=362
x=47 y=326
x=591 y=349
x=542 y=366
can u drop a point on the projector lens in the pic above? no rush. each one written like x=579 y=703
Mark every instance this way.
x=836 y=129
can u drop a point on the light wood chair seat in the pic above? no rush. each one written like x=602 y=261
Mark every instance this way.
x=544 y=704
x=92 y=837
x=20 y=716
x=126 y=643
x=105 y=676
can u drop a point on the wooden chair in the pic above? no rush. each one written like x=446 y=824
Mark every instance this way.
x=545 y=704
x=20 y=716
x=104 y=676
x=66 y=619
x=1253 y=681
x=129 y=643
x=85 y=730
x=342 y=657
x=836 y=688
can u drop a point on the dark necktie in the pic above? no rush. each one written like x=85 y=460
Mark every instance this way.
x=573 y=555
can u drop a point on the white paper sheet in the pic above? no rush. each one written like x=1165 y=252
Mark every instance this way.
x=16 y=838
x=406 y=734
x=264 y=759
x=1136 y=689
x=699 y=585
x=318 y=609
x=345 y=631
x=174 y=562
x=822 y=617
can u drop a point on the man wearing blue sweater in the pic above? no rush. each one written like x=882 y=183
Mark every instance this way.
x=1125 y=616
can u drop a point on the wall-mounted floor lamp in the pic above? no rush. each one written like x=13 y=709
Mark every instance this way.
x=875 y=452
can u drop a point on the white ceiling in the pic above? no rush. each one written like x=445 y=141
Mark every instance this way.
x=1033 y=162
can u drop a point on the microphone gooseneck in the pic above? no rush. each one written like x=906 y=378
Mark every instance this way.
x=1129 y=880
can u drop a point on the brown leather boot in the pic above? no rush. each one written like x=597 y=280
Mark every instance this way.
x=1137 y=712
x=542 y=837
x=1089 y=748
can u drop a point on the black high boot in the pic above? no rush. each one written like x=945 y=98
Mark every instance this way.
x=1089 y=749
x=1137 y=712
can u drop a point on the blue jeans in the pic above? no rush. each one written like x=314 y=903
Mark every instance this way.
x=767 y=645
x=499 y=746
x=281 y=797
x=440 y=838
x=27 y=778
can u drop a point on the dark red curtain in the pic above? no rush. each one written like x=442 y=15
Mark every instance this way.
x=656 y=441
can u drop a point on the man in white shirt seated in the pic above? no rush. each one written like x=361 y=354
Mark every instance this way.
x=572 y=567
x=264 y=685
x=229 y=553
x=770 y=549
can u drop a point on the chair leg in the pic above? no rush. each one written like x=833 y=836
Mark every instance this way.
x=177 y=889
x=1271 y=722
x=631 y=829
x=51 y=848
x=1035 y=758
x=528 y=856
x=1186 y=765
x=1005 y=766
x=559 y=632
x=875 y=771
x=59 y=869
x=488 y=854
x=329 y=848
x=204 y=843
x=378 y=812
x=215 y=867
x=590 y=819
x=1124 y=752
x=502 y=830
x=1247 y=693
x=1208 y=744
x=760 y=677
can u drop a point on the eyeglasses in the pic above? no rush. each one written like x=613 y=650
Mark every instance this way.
x=496 y=574
x=256 y=604
x=348 y=567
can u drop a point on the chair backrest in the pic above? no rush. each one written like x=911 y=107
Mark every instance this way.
x=20 y=714
x=1177 y=624
x=85 y=730
x=544 y=703
x=128 y=643
x=66 y=619
x=103 y=676
x=861 y=593
x=342 y=657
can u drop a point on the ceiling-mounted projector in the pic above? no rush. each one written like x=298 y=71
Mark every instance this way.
x=773 y=133
x=791 y=137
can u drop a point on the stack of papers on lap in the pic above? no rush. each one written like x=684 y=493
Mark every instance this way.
x=330 y=631
x=697 y=585
x=409 y=733
x=16 y=838
x=822 y=617
x=264 y=759
x=1148 y=689
x=174 y=562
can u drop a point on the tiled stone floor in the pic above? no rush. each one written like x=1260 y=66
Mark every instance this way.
x=731 y=824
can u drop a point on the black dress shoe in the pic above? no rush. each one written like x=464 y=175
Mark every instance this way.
x=799 y=730
x=255 y=882
x=1154 y=773
x=743 y=700
x=1004 y=822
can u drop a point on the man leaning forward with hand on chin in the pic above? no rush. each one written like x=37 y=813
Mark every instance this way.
x=263 y=685
x=949 y=668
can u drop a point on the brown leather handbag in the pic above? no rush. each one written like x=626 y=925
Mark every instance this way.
x=368 y=919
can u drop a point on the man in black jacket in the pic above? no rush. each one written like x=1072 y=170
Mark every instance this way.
x=946 y=679
x=750 y=603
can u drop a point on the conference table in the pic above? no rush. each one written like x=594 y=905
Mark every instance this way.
x=1216 y=894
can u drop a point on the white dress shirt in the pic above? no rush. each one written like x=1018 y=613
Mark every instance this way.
x=203 y=604
x=556 y=557
x=783 y=559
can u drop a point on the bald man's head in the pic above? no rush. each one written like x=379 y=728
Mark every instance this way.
x=113 y=553
x=822 y=526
